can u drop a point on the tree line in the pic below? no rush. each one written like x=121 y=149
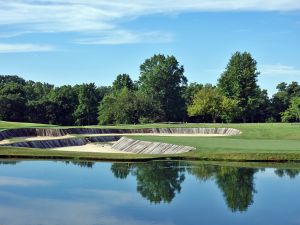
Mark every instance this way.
x=161 y=94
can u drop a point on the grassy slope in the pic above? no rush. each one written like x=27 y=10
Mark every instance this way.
x=263 y=142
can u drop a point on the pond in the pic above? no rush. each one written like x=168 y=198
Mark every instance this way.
x=152 y=193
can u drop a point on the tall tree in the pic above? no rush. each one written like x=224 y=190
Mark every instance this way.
x=66 y=101
x=4 y=79
x=239 y=81
x=86 y=111
x=163 y=80
x=123 y=81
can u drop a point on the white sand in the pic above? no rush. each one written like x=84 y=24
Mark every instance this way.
x=100 y=148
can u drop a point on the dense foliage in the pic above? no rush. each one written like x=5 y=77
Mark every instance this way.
x=161 y=94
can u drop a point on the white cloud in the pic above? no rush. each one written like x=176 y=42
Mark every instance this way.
x=115 y=37
x=105 y=16
x=13 y=48
x=279 y=70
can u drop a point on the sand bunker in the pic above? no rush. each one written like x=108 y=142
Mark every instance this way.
x=43 y=138
x=99 y=148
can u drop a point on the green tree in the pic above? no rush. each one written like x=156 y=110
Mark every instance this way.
x=292 y=114
x=42 y=111
x=123 y=81
x=86 y=111
x=239 y=82
x=35 y=91
x=4 y=79
x=190 y=91
x=147 y=110
x=126 y=111
x=118 y=108
x=106 y=110
x=282 y=98
x=12 y=102
x=65 y=100
x=209 y=102
x=135 y=107
x=162 y=79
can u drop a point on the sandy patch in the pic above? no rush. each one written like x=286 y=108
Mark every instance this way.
x=5 y=142
x=93 y=147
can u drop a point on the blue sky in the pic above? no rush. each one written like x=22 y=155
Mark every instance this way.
x=75 y=41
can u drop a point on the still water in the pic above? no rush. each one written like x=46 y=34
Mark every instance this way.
x=154 y=193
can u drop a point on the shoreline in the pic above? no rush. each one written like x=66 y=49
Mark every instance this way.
x=197 y=155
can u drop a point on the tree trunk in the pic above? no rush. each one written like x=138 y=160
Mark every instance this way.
x=214 y=119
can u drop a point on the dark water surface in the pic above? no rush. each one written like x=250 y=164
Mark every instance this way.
x=154 y=193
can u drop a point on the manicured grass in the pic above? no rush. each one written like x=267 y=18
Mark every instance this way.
x=226 y=144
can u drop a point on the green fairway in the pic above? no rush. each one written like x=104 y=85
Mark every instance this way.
x=225 y=143
x=258 y=142
x=12 y=125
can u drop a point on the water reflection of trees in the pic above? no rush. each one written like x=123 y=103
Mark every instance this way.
x=160 y=181
x=86 y=164
x=236 y=184
x=291 y=173
x=121 y=170
x=157 y=181
x=9 y=162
